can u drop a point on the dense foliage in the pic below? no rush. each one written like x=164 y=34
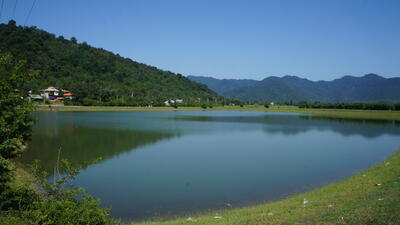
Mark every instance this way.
x=97 y=76
x=23 y=202
x=15 y=120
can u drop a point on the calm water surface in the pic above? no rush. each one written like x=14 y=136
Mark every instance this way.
x=162 y=164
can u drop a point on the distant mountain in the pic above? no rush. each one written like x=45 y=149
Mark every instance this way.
x=223 y=85
x=369 y=88
x=95 y=75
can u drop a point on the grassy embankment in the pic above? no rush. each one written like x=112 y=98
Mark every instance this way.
x=338 y=113
x=371 y=197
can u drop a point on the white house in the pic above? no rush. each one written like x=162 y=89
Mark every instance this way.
x=169 y=102
x=50 y=93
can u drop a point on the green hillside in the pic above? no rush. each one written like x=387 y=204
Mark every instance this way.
x=97 y=76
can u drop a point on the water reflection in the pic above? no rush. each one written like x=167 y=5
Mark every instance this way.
x=81 y=145
x=295 y=124
x=172 y=163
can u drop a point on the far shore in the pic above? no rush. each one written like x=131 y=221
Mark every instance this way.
x=337 y=113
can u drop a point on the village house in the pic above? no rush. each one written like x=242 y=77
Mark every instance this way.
x=53 y=94
x=169 y=102
x=50 y=93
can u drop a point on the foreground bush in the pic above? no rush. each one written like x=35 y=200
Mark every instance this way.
x=55 y=203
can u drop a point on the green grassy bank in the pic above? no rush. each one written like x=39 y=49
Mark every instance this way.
x=338 y=113
x=371 y=197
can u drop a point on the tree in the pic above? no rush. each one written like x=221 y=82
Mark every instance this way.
x=74 y=40
x=15 y=109
x=12 y=23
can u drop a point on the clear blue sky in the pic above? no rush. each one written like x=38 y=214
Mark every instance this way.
x=318 y=40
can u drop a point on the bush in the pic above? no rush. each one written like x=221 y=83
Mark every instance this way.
x=64 y=204
x=15 y=118
x=204 y=106
x=266 y=106
x=6 y=173
x=13 y=197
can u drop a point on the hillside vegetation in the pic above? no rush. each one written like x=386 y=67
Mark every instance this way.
x=97 y=76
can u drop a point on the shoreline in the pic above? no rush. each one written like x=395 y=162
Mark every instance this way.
x=333 y=113
x=369 y=197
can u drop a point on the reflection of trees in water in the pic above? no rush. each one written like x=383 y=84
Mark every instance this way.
x=348 y=126
x=81 y=144
x=352 y=120
x=294 y=124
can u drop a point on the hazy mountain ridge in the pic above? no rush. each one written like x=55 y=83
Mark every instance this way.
x=222 y=85
x=368 y=88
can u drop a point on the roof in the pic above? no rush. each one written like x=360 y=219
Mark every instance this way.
x=68 y=94
x=50 y=89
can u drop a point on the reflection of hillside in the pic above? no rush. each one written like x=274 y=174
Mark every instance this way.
x=294 y=124
x=81 y=144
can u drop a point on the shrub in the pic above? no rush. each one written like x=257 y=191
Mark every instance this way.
x=15 y=118
x=13 y=197
x=64 y=204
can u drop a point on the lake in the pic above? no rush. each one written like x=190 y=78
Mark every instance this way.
x=163 y=164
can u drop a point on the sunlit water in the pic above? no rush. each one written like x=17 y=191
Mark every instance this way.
x=163 y=164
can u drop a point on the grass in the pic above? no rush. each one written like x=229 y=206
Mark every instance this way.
x=337 y=113
x=356 y=200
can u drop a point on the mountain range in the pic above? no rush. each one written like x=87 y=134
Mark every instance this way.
x=100 y=77
x=368 y=88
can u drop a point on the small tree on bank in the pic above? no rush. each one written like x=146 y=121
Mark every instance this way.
x=15 y=109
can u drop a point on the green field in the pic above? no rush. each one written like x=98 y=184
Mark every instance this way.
x=338 y=113
x=371 y=197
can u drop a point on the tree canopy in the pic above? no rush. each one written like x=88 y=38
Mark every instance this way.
x=96 y=76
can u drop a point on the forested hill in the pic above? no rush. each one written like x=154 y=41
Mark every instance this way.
x=97 y=76
x=368 y=88
x=222 y=86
